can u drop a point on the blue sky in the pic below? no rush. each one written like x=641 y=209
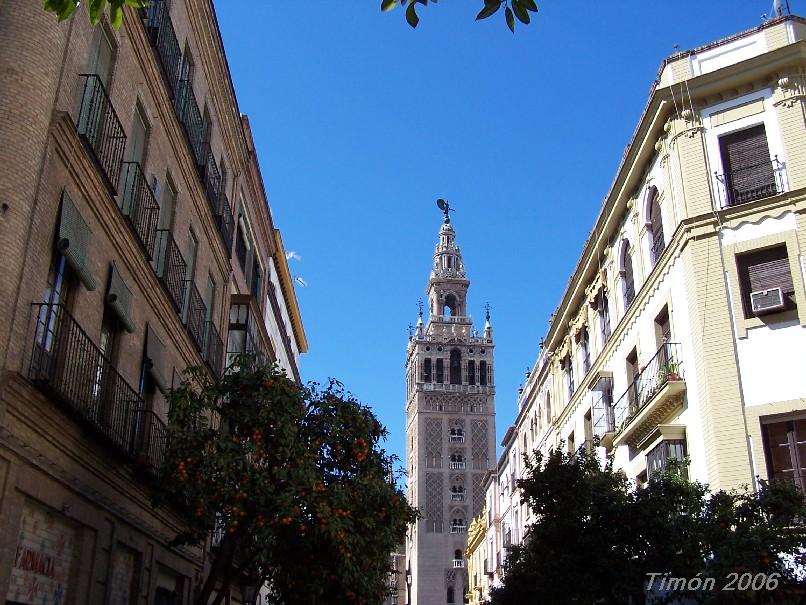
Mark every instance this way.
x=361 y=123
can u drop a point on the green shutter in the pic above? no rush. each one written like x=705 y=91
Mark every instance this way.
x=119 y=298
x=74 y=240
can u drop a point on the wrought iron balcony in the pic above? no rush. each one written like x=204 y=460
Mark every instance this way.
x=214 y=349
x=170 y=267
x=139 y=206
x=654 y=394
x=187 y=110
x=163 y=37
x=211 y=179
x=68 y=365
x=751 y=183
x=100 y=129
x=195 y=315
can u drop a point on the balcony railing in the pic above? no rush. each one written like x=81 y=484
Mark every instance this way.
x=163 y=37
x=456 y=439
x=170 y=266
x=139 y=206
x=100 y=128
x=187 y=110
x=666 y=366
x=457 y=466
x=457 y=496
x=214 y=349
x=458 y=529
x=751 y=183
x=195 y=315
x=68 y=365
x=458 y=563
x=211 y=179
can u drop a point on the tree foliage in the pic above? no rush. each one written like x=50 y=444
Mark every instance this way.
x=294 y=481
x=513 y=9
x=597 y=538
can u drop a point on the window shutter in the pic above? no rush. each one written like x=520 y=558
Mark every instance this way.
x=764 y=270
x=119 y=298
x=155 y=356
x=74 y=239
x=746 y=161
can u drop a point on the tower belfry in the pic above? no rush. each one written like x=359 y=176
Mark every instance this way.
x=450 y=426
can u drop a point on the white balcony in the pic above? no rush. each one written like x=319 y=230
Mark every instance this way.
x=457 y=496
x=458 y=563
x=457 y=439
x=458 y=529
x=458 y=466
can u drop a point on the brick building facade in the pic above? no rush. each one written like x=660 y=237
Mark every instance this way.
x=137 y=241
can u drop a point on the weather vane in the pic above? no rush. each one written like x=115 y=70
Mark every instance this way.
x=487 y=308
x=446 y=208
x=420 y=308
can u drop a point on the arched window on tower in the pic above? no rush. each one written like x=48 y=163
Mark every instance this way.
x=471 y=372
x=483 y=373
x=450 y=595
x=449 y=309
x=440 y=371
x=427 y=370
x=548 y=410
x=456 y=367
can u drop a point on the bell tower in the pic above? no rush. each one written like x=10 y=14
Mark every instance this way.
x=450 y=427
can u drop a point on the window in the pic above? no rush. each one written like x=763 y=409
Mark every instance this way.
x=748 y=170
x=240 y=247
x=483 y=373
x=138 y=137
x=471 y=372
x=167 y=204
x=785 y=450
x=209 y=298
x=440 y=371
x=186 y=67
x=658 y=458
x=190 y=272
x=449 y=309
x=456 y=367
x=602 y=416
x=657 y=243
x=568 y=374
x=102 y=58
x=584 y=349
x=632 y=379
x=604 y=316
x=548 y=410
x=627 y=276
x=427 y=370
x=761 y=274
x=256 y=281
x=450 y=598
x=663 y=329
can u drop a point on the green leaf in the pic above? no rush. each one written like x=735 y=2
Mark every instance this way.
x=510 y=19
x=387 y=5
x=529 y=5
x=97 y=10
x=411 y=15
x=520 y=12
x=490 y=8
x=62 y=8
x=116 y=15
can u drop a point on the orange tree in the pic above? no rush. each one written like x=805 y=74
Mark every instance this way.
x=292 y=481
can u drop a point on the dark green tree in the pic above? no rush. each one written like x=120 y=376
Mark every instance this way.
x=293 y=480
x=597 y=539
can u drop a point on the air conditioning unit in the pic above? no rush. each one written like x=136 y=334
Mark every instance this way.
x=767 y=301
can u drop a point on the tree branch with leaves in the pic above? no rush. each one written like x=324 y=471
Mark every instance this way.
x=513 y=9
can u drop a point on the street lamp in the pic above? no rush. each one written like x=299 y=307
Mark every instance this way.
x=408 y=586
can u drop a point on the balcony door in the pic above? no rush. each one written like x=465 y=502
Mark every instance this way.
x=93 y=101
x=749 y=173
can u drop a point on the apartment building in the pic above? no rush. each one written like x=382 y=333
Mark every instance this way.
x=137 y=242
x=682 y=330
